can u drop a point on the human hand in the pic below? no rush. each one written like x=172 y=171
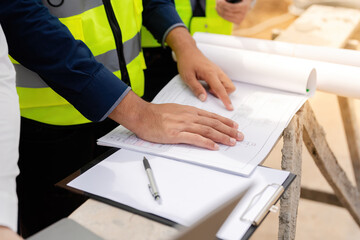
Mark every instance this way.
x=8 y=234
x=233 y=12
x=194 y=66
x=174 y=123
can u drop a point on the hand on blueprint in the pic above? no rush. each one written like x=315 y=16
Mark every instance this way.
x=194 y=66
x=174 y=123
x=8 y=234
x=233 y=12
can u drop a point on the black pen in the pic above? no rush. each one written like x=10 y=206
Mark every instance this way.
x=152 y=186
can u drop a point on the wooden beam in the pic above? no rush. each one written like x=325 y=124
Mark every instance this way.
x=352 y=134
x=291 y=161
x=320 y=196
x=315 y=141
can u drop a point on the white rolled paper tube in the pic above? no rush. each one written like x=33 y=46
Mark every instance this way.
x=342 y=80
x=338 y=70
x=320 y=53
x=264 y=69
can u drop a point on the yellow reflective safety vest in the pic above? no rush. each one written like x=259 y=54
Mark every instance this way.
x=88 y=21
x=211 y=23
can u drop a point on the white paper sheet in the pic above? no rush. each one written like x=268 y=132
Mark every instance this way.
x=188 y=191
x=338 y=70
x=262 y=114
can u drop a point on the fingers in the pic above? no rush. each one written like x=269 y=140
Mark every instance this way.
x=197 y=140
x=174 y=123
x=216 y=131
x=220 y=118
x=196 y=88
x=194 y=66
x=222 y=130
x=207 y=133
x=233 y=12
x=226 y=82
x=211 y=127
x=221 y=87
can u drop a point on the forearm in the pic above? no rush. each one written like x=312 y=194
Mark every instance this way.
x=181 y=42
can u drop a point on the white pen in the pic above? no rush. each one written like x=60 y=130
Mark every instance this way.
x=152 y=186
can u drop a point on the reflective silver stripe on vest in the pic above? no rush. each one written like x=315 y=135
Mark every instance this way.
x=29 y=79
x=110 y=60
x=132 y=48
x=71 y=7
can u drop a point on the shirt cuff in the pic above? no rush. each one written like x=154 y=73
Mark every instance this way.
x=101 y=96
x=116 y=103
x=159 y=16
x=8 y=210
x=169 y=30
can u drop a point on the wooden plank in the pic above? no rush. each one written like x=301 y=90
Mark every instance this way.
x=322 y=26
x=315 y=141
x=320 y=196
x=291 y=161
x=348 y=115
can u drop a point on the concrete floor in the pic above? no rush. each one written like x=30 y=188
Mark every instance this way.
x=315 y=220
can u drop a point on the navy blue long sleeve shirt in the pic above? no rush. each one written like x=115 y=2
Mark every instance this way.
x=40 y=42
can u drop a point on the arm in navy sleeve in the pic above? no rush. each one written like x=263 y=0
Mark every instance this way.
x=41 y=43
x=160 y=17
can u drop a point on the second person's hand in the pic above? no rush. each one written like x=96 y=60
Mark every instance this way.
x=233 y=12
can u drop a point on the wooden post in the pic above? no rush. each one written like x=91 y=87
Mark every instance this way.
x=291 y=161
x=352 y=134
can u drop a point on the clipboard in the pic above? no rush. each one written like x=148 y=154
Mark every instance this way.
x=63 y=184
x=205 y=228
x=154 y=217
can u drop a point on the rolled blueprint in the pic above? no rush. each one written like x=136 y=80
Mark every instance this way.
x=320 y=53
x=338 y=70
x=263 y=69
